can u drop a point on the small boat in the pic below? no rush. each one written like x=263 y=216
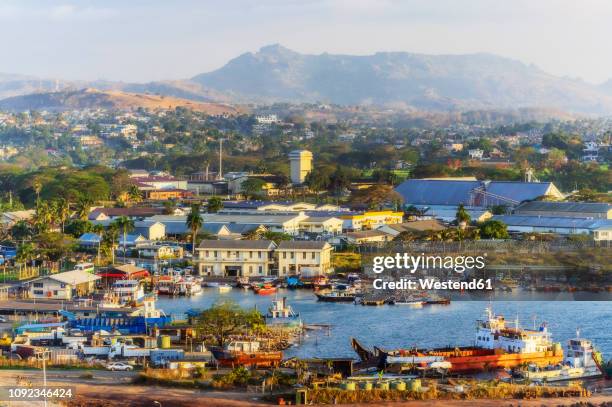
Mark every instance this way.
x=410 y=302
x=281 y=310
x=336 y=296
x=224 y=288
x=212 y=284
x=264 y=289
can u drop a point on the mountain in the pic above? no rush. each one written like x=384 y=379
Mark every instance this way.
x=94 y=98
x=432 y=82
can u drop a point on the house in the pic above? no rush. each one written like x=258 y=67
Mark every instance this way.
x=89 y=240
x=151 y=230
x=104 y=214
x=448 y=213
x=453 y=192
x=160 y=251
x=602 y=231
x=9 y=219
x=476 y=154
x=321 y=224
x=131 y=240
x=62 y=286
x=123 y=272
x=368 y=236
x=306 y=258
x=592 y=210
x=371 y=219
x=159 y=182
x=235 y=258
x=280 y=206
x=167 y=194
x=418 y=226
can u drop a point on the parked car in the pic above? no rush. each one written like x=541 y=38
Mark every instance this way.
x=3 y=319
x=120 y=366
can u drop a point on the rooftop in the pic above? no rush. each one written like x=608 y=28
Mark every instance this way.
x=302 y=245
x=237 y=244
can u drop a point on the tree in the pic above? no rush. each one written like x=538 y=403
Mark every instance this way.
x=108 y=241
x=55 y=246
x=126 y=225
x=62 y=209
x=462 y=216
x=43 y=216
x=227 y=318
x=194 y=222
x=83 y=206
x=77 y=227
x=25 y=253
x=276 y=237
x=494 y=229
x=376 y=197
x=252 y=187
x=169 y=207
x=21 y=230
x=134 y=194
x=215 y=204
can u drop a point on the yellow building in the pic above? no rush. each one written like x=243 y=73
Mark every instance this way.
x=371 y=220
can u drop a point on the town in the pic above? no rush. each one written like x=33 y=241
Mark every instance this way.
x=151 y=242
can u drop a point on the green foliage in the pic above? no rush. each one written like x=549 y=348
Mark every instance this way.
x=77 y=227
x=494 y=229
x=227 y=318
x=214 y=205
x=253 y=187
x=276 y=237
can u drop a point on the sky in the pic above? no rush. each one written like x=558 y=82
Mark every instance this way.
x=140 y=41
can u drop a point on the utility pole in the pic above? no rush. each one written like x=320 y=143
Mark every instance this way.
x=220 y=175
x=43 y=355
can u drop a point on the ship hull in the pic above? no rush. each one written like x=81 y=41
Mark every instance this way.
x=256 y=359
x=473 y=360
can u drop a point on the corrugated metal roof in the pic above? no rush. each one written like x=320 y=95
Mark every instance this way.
x=237 y=244
x=302 y=245
x=518 y=191
x=552 y=222
x=436 y=192
x=541 y=206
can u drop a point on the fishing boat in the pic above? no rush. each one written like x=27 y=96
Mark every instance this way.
x=580 y=361
x=336 y=296
x=244 y=353
x=189 y=287
x=410 y=302
x=498 y=346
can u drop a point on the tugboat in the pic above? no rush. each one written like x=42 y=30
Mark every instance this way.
x=336 y=296
x=498 y=346
x=580 y=361
x=264 y=289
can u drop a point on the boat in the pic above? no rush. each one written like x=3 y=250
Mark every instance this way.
x=245 y=353
x=224 y=288
x=336 y=296
x=580 y=362
x=265 y=289
x=189 y=287
x=281 y=310
x=294 y=282
x=497 y=346
x=413 y=303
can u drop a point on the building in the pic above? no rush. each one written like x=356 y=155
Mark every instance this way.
x=105 y=214
x=123 y=272
x=167 y=194
x=305 y=258
x=63 y=286
x=160 y=251
x=235 y=258
x=301 y=165
x=368 y=236
x=273 y=185
x=9 y=219
x=448 y=213
x=321 y=225
x=418 y=226
x=157 y=182
x=370 y=220
x=565 y=209
x=451 y=192
x=151 y=230
x=280 y=206
x=476 y=154
x=557 y=225
x=89 y=241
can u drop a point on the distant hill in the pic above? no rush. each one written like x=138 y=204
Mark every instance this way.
x=431 y=82
x=93 y=98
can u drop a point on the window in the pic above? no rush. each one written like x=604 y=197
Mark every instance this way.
x=38 y=292
x=260 y=270
x=259 y=254
x=54 y=292
x=206 y=253
x=62 y=285
x=314 y=255
x=38 y=285
x=251 y=254
x=304 y=255
x=215 y=253
x=284 y=255
x=250 y=269
x=291 y=255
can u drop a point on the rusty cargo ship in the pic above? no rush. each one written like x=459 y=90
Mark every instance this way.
x=498 y=345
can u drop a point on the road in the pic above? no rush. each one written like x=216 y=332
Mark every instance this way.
x=110 y=389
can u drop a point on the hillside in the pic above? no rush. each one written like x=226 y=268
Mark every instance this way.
x=431 y=82
x=93 y=99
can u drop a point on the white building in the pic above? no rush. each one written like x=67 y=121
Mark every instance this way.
x=62 y=286
x=303 y=258
x=235 y=258
x=301 y=165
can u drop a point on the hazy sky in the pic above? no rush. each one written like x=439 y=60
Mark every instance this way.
x=135 y=40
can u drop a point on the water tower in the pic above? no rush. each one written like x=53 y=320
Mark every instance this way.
x=301 y=165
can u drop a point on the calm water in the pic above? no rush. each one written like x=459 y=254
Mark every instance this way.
x=399 y=326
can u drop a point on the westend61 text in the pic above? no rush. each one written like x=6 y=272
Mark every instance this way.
x=431 y=284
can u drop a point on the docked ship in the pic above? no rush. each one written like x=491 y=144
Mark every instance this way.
x=580 y=361
x=498 y=346
x=336 y=296
x=245 y=353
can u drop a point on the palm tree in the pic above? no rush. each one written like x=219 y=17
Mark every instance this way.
x=62 y=209
x=462 y=216
x=98 y=230
x=134 y=194
x=82 y=208
x=25 y=253
x=194 y=222
x=108 y=240
x=126 y=225
x=43 y=217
